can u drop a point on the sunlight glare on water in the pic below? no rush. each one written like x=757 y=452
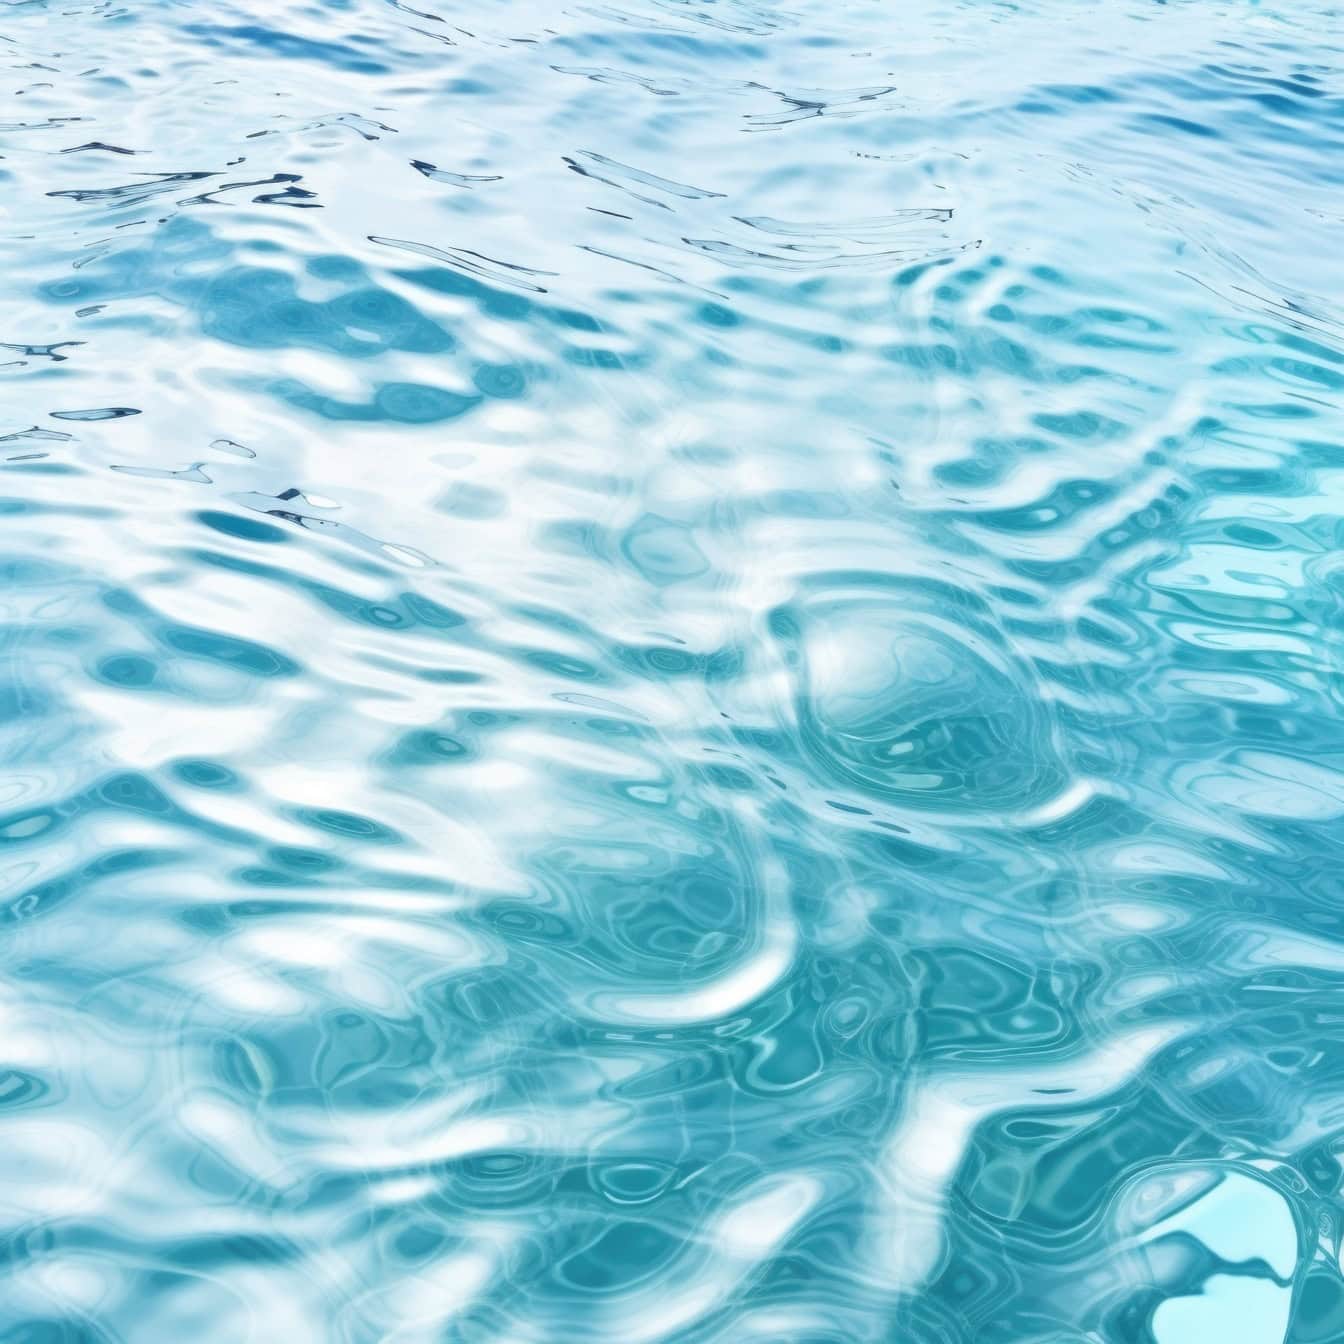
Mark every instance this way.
x=672 y=672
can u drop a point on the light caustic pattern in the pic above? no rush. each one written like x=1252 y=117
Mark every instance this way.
x=672 y=672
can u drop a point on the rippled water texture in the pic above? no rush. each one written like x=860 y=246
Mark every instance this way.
x=672 y=672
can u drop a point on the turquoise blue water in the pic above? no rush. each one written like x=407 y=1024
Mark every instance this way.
x=672 y=672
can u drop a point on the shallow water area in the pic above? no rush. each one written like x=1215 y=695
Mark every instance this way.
x=672 y=672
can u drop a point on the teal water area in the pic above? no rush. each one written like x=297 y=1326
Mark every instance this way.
x=670 y=671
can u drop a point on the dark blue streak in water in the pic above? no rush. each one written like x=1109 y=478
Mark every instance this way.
x=676 y=674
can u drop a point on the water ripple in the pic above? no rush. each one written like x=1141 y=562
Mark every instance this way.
x=670 y=671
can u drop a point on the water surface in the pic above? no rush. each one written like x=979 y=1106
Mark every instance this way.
x=671 y=672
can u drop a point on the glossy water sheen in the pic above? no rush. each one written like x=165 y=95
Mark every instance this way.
x=671 y=672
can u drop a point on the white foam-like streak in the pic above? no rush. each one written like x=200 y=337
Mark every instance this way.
x=922 y=1156
x=384 y=1145
x=737 y=1242
x=729 y=993
x=415 y=1308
